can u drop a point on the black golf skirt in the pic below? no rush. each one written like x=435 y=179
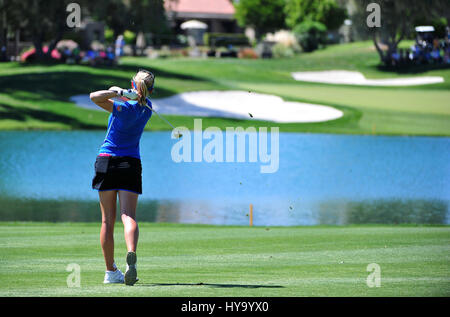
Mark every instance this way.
x=118 y=172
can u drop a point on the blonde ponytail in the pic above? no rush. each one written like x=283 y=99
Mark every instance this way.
x=144 y=81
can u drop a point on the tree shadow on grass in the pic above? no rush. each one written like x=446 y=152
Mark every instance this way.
x=412 y=69
x=158 y=72
x=62 y=85
x=132 y=69
x=211 y=285
x=21 y=114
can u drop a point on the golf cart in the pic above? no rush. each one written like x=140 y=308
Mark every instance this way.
x=425 y=35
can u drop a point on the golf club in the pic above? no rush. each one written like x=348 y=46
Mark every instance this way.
x=178 y=134
x=132 y=95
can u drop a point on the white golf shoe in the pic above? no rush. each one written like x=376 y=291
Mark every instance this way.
x=114 y=277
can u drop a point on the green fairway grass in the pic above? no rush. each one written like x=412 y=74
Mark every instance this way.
x=37 y=96
x=200 y=260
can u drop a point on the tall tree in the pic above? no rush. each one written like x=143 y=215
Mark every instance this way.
x=263 y=15
x=114 y=13
x=44 y=20
x=148 y=16
x=397 y=20
x=327 y=12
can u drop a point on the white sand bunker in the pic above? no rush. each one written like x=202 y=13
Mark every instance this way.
x=356 y=78
x=235 y=104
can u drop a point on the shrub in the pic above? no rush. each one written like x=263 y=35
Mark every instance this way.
x=287 y=38
x=263 y=15
x=397 y=211
x=248 y=53
x=225 y=39
x=109 y=35
x=328 y=12
x=440 y=27
x=311 y=35
x=280 y=50
x=383 y=211
x=129 y=37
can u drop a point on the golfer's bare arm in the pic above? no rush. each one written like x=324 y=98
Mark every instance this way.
x=102 y=98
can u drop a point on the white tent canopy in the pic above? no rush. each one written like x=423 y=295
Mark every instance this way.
x=194 y=24
x=67 y=43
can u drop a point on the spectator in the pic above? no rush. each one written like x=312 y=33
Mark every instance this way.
x=415 y=53
x=76 y=53
x=426 y=56
x=3 y=57
x=447 y=40
x=436 y=55
x=402 y=56
x=408 y=56
x=447 y=55
x=119 y=46
x=395 y=58
x=110 y=53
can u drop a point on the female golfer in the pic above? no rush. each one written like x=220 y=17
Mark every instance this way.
x=118 y=168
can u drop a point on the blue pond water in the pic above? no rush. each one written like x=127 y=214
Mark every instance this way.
x=318 y=177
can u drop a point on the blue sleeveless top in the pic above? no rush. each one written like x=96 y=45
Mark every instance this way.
x=125 y=126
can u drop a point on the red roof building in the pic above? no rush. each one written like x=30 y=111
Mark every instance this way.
x=217 y=14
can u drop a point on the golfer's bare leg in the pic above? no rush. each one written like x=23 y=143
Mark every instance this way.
x=108 y=201
x=128 y=203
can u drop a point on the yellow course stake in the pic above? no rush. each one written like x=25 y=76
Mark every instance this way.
x=251 y=215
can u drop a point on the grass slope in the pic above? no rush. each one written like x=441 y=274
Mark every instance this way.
x=37 y=96
x=198 y=260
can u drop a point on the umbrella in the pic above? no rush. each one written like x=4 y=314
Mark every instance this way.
x=67 y=43
x=193 y=24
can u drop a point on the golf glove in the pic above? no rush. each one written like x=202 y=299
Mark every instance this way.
x=127 y=93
